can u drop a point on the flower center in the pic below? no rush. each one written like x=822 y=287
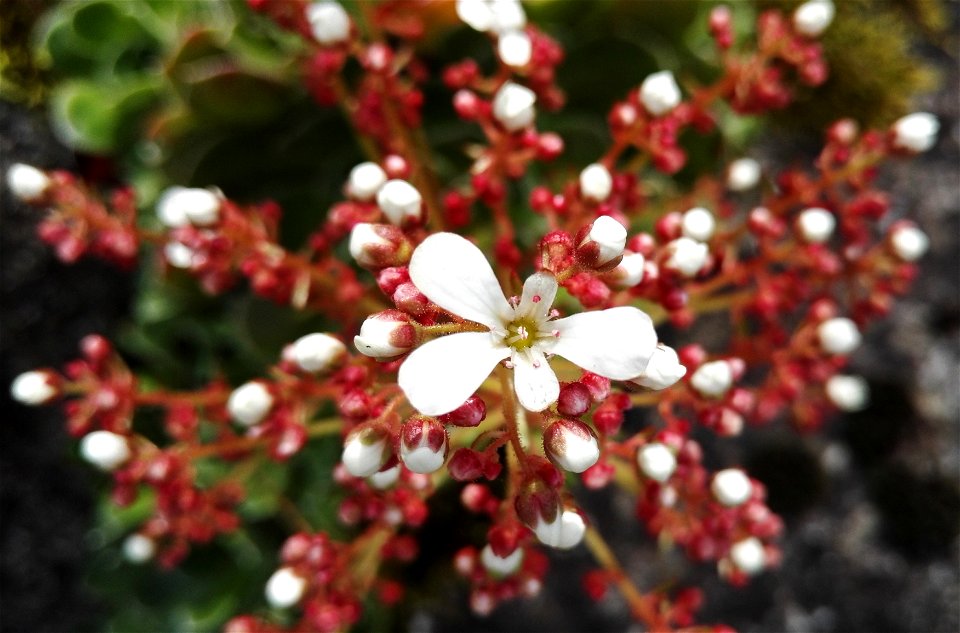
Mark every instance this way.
x=522 y=333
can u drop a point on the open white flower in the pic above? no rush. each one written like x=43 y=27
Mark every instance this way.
x=440 y=375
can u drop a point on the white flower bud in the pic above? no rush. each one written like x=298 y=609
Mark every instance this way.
x=566 y=530
x=27 y=182
x=498 y=16
x=385 y=335
x=656 y=461
x=812 y=18
x=748 y=555
x=381 y=480
x=731 y=487
x=329 y=22
x=629 y=272
x=378 y=245
x=687 y=256
x=604 y=242
x=571 y=445
x=515 y=48
x=513 y=106
x=400 y=202
x=909 y=243
x=365 y=180
x=285 y=588
x=712 y=379
x=596 y=183
x=663 y=370
x=848 y=393
x=501 y=567
x=838 y=336
x=816 y=225
x=138 y=548
x=659 y=93
x=365 y=451
x=698 y=224
x=317 y=352
x=916 y=132
x=249 y=403
x=33 y=388
x=105 y=450
x=743 y=174
x=423 y=445
x=178 y=254
x=180 y=206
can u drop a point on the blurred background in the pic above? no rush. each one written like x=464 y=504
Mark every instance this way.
x=156 y=92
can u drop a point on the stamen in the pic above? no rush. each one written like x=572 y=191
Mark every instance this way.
x=554 y=313
x=508 y=364
x=536 y=298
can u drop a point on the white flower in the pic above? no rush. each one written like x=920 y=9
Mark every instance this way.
x=731 y=487
x=105 y=450
x=838 y=336
x=596 y=183
x=657 y=461
x=603 y=243
x=848 y=393
x=329 y=22
x=513 y=106
x=365 y=180
x=748 y=555
x=663 y=370
x=317 y=351
x=249 y=403
x=687 y=256
x=285 y=588
x=909 y=243
x=698 y=224
x=629 y=272
x=400 y=202
x=385 y=335
x=812 y=18
x=440 y=375
x=27 y=182
x=180 y=206
x=916 y=132
x=365 y=451
x=423 y=445
x=32 y=388
x=498 y=16
x=659 y=93
x=501 y=567
x=712 y=379
x=816 y=225
x=743 y=174
x=383 y=479
x=138 y=548
x=564 y=532
x=515 y=48
x=178 y=254
x=571 y=445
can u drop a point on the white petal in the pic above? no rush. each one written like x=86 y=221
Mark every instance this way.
x=534 y=381
x=455 y=275
x=616 y=343
x=440 y=375
x=539 y=291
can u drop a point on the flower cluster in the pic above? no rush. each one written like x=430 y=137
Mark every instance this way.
x=468 y=354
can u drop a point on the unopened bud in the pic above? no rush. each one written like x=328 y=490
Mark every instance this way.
x=285 y=588
x=365 y=181
x=596 y=183
x=515 y=48
x=743 y=174
x=317 y=352
x=571 y=445
x=663 y=370
x=712 y=379
x=27 y=182
x=574 y=399
x=400 y=202
x=656 y=461
x=731 y=487
x=603 y=244
x=138 y=548
x=748 y=555
x=501 y=567
x=848 y=393
x=629 y=272
x=34 y=387
x=908 y=242
x=698 y=224
x=379 y=245
x=469 y=414
x=329 y=22
x=385 y=335
x=181 y=206
x=250 y=403
x=816 y=225
x=565 y=532
x=687 y=256
x=838 y=336
x=178 y=255
x=423 y=445
x=513 y=106
x=105 y=450
x=366 y=450
x=500 y=16
x=660 y=93
x=916 y=132
x=384 y=479
x=812 y=18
